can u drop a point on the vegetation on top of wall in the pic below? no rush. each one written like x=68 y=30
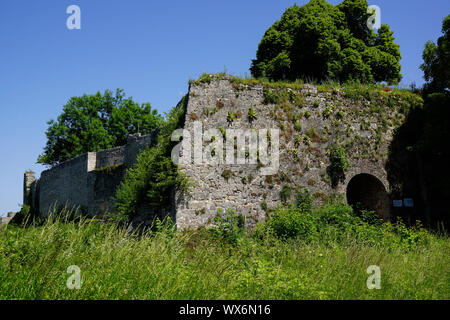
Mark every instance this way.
x=276 y=90
x=110 y=169
x=288 y=100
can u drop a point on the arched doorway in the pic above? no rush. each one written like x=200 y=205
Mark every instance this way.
x=367 y=192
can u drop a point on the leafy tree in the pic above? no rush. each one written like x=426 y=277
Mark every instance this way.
x=321 y=41
x=436 y=66
x=95 y=122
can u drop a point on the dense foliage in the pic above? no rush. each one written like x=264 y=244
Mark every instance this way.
x=96 y=122
x=154 y=176
x=320 y=41
x=420 y=150
x=436 y=66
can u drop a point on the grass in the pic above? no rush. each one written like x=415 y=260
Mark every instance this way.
x=167 y=264
x=354 y=90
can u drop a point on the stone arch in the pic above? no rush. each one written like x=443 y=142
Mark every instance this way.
x=369 y=193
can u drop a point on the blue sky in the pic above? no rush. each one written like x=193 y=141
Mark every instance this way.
x=148 y=48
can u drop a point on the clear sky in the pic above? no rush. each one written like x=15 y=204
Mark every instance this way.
x=148 y=48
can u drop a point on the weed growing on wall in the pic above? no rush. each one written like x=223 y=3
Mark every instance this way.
x=154 y=176
x=338 y=164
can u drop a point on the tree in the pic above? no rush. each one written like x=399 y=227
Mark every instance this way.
x=320 y=41
x=436 y=66
x=96 y=122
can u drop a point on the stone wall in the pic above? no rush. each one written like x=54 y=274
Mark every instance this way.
x=67 y=184
x=86 y=183
x=110 y=157
x=326 y=116
x=309 y=119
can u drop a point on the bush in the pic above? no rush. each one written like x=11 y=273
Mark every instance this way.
x=338 y=164
x=290 y=222
x=229 y=226
x=154 y=176
x=303 y=200
x=285 y=193
x=335 y=214
x=270 y=96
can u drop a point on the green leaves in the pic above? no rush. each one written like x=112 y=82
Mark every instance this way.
x=338 y=164
x=95 y=122
x=154 y=176
x=436 y=57
x=319 y=41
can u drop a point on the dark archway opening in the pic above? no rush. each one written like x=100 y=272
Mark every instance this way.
x=366 y=192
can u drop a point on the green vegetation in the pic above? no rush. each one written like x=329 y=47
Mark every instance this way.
x=252 y=115
x=231 y=116
x=338 y=164
x=321 y=253
x=227 y=174
x=96 y=122
x=154 y=176
x=436 y=66
x=285 y=193
x=313 y=135
x=339 y=45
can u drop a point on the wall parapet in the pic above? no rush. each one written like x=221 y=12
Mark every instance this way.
x=82 y=183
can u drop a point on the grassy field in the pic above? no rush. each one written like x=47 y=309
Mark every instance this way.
x=221 y=264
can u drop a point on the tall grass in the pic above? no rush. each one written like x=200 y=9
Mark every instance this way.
x=116 y=264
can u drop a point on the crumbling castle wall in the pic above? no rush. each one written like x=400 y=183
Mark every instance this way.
x=310 y=120
x=86 y=183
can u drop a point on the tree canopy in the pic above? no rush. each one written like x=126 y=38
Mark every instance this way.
x=95 y=122
x=320 y=41
x=436 y=57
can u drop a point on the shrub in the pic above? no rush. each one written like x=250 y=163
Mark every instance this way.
x=303 y=200
x=307 y=114
x=338 y=164
x=298 y=125
x=285 y=193
x=313 y=135
x=231 y=116
x=252 y=115
x=227 y=174
x=339 y=216
x=154 y=176
x=229 y=226
x=290 y=222
x=270 y=96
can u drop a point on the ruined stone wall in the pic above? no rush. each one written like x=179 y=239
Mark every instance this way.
x=67 y=184
x=110 y=157
x=87 y=182
x=310 y=120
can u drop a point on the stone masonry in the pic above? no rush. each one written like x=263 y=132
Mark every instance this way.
x=86 y=183
x=310 y=121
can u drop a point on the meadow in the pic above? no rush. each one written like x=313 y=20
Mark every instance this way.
x=298 y=253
